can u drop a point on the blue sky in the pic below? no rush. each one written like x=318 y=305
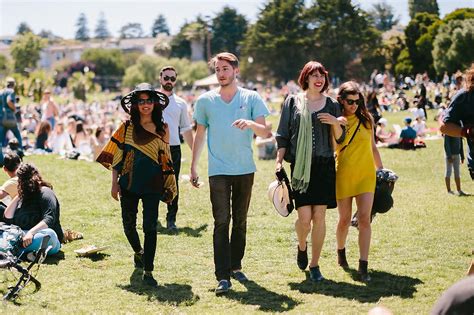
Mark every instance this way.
x=60 y=16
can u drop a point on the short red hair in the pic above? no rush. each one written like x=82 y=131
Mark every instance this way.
x=310 y=68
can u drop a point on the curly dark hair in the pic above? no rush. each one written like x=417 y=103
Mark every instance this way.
x=29 y=181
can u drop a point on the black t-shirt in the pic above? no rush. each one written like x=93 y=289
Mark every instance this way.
x=41 y=206
x=461 y=109
x=41 y=140
x=458 y=299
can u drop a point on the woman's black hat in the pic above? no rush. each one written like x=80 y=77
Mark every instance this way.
x=160 y=98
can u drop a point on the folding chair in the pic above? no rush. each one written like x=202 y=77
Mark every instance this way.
x=8 y=260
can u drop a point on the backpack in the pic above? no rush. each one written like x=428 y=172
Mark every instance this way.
x=10 y=238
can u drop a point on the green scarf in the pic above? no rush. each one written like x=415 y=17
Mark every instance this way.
x=304 y=147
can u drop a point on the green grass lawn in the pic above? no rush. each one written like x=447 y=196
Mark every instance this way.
x=419 y=248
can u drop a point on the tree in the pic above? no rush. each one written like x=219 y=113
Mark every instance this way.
x=419 y=6
x=47 y=34
x=383 y=15
x=193 y=34
x=24 y=28
x=82 y=32
x=453 y=46
x=419 y=42
x=4 y=65
x=392 y=47
x=228 y=30
x=404 y=65
x=460 y=14
x=106 y=61
x=81 y=84
x=180 y=44
x=101 y=30
x=25 y=51
x=160 y=26
x=276 y=45
x=343 y=33
x=147 y=69
x=131 y=30
x=65 y=69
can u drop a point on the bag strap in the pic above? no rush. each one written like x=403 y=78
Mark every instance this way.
x=292 y=105
x=283 y=178
x=352 y=138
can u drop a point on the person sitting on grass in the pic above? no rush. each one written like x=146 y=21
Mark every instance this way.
x=407 y=137
x=35 y=210
x=9 y=189
x=42 y=137
x=382 y=135
x=266 y=145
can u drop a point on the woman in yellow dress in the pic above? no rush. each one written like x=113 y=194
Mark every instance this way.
x=357 y=158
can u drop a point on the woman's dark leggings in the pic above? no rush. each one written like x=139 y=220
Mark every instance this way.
x=129 y=204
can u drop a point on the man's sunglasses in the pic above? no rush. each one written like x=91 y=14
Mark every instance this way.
x=167 y=78
x=353 y=102
x=145 y=101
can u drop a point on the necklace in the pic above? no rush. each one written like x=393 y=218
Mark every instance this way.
x=315 y=104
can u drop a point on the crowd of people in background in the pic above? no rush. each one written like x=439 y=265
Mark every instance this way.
x=75 y=129
x=318 y=123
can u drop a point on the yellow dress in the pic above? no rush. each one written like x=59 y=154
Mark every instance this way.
x=355 y=166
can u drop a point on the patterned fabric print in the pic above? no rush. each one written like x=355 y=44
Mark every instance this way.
x=157 y=150
x=127 y=168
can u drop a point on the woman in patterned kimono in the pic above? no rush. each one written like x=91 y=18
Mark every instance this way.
x=139 y=156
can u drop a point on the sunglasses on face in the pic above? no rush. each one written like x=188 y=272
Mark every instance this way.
x=143 y=101
x=353 y=102
x=167 y=78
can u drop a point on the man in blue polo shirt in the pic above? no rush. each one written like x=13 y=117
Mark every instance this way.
x=231 y=116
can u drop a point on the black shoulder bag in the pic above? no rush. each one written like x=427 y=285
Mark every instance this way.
x=288 y=156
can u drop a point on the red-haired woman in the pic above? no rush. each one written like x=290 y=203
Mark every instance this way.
x=308 y=126
x=356 y=163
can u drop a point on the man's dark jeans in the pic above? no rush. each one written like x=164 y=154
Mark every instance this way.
x=229 y=191
x=173 y=207
x=129 y=204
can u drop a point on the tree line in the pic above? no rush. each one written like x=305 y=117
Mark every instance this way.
x=350 y=41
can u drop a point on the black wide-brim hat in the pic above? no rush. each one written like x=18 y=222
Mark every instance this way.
x=160 y=98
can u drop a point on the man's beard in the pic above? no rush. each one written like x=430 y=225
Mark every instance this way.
x=229 y=80
x=168 y=87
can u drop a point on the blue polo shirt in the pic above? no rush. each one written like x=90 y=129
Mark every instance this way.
x=230 y=149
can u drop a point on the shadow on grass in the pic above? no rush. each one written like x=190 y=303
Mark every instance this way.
x=172 y=293
x=96 y=256
x=267 y=300
x=383 y=284
x=54 y=259
x=197 y=232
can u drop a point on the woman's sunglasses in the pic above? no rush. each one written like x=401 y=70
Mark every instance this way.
x=353 y=102
x=145 y=101
x=167 y=78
